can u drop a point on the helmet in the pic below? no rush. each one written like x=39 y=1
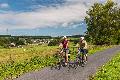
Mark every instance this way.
x=64 y=37
x=82 y=38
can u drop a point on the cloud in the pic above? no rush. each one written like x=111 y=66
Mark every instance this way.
x=51 y=16
x=65 y=15
x=4 y=5
x=118 y=2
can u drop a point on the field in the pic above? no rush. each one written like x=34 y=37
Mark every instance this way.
x=110 y=71
x=17 y=61
x=20 y=54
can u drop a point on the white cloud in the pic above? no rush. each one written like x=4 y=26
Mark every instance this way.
x=72 y=11
x=118 y=2
x=4 y=5
x=45 y=17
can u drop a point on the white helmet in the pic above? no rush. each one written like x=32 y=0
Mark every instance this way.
x=82 y=38
x=64 y=37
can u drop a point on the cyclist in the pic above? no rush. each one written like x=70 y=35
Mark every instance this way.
x=65 y=49
x=82 y=47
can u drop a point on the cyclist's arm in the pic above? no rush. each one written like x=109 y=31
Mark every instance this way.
x=77 y=45
x=60 y=45
x=84 y=45
x=67 y=45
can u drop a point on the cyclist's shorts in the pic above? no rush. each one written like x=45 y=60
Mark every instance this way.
x=66 y=50
x=84 y=51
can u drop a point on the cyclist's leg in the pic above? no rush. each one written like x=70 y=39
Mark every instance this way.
x=78 y=52
x=85 y=55
x=86 y=59
x=66 y=56
x=79 y=57
x=82 y=55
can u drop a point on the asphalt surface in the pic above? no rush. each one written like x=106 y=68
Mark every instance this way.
x=95 y=61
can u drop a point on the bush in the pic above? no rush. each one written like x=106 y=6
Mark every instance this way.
x=20 y=42
x=17 y=41
x=53 y=42
x=76 y=41
x=28 y=41
x=4 y=42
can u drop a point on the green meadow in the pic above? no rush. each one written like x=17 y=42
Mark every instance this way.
x=17 y=61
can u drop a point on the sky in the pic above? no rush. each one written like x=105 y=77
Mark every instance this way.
x=44 y=17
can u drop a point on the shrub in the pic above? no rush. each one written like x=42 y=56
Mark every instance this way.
x=54 y=42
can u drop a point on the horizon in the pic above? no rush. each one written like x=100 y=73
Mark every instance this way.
x=4 y=35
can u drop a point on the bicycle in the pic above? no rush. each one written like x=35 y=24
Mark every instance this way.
x=79 y=61
x=61 y=60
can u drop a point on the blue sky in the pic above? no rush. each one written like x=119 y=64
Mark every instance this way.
x=29 y=5
x=44 y=17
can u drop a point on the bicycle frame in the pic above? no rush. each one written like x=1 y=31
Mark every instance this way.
x=79 y=59
x=61 y=60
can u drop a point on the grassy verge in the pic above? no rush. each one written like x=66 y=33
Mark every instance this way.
x=95 y=48
x=109 y=71
x=21 y=61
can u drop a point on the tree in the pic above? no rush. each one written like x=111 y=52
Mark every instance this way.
x=103 y=23
x=4 y=42
x=20 y=42
x=17 y=41
x=28 y=41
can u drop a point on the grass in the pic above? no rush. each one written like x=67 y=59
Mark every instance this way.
x=20 y=54
x=95 y=48
x=17 y=61
x=109 y=71
x=13 y=69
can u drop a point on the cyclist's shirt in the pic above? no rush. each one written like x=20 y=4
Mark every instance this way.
x=64 y=43
x=83 y=44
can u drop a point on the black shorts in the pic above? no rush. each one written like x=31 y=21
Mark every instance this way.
x=84 y=51
x=66 y=50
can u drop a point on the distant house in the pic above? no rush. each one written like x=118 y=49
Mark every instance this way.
x=20 y=46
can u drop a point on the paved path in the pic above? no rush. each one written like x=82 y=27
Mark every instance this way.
x=81 y=73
